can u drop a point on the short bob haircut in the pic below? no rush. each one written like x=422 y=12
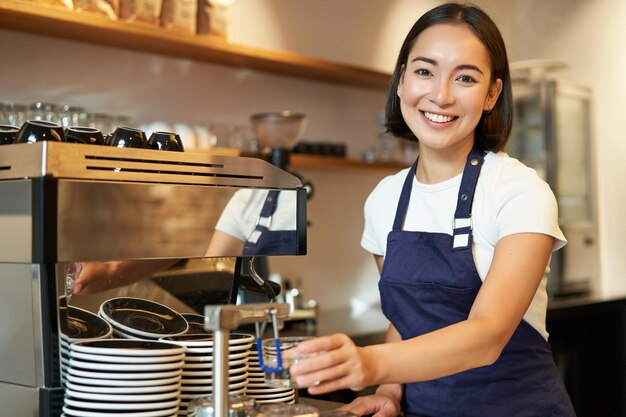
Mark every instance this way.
x=494 y=127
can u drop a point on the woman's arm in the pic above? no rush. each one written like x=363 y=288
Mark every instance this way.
x=100 y=276
x=224 y=244
x=517 y=268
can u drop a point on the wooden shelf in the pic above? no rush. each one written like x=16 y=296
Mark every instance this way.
x=57 y=21
x=301 y=161
x=304 y=161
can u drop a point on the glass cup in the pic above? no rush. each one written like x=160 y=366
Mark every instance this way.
x=220 y=135
x=15 y=114
x=4 y=114
x=72 y=116
x=43 y=111
x=7 y=134
x=281 y=377
x=101 y=121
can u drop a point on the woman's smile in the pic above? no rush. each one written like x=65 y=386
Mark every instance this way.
x=438 y=118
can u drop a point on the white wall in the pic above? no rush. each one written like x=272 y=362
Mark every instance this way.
x=361 y=32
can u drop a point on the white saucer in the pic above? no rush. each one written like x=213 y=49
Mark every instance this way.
x=273 y=396
x=126 y=359
x=201 y=352
x=273 y=400
x=73 y=412
x=74 y=363
x=266 y=390
x=82 y=324
x=97 y=382
x=231 y=386
x=209 y=365
x=290 y=401
x=209 y=381
x=187 y=397
x=200 y=374
x=112 y=406
x=258 y=383
x=143 y=317
x=207 y=340
x=122 y=390
x=126 y=347
x=124 y=375
x=191 y=360
x=126 y=335
x=238 y=349
x=187 y=389
x=122 y=398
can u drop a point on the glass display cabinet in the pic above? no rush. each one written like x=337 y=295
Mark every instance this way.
x=552 y=134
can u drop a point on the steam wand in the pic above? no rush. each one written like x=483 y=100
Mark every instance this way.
x=220 y=320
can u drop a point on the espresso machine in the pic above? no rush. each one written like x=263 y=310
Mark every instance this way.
x=66 y=203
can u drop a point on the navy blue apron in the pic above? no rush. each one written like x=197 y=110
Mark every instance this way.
x=429 y=281
x=264 y=241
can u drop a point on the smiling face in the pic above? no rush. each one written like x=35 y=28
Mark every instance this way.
x=446 y=86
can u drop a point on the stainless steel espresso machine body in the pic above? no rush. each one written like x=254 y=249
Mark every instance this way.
x=62 y=203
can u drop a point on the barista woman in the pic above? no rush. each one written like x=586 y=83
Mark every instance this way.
x=462 y=240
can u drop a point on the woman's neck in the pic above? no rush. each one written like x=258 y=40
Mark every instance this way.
x=436 y=165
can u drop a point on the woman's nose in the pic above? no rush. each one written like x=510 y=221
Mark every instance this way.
x=442 y=93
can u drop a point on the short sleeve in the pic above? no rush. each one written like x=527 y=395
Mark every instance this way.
x=230 y=219
x=370 y=241
x=527 y=205
x=379 y=211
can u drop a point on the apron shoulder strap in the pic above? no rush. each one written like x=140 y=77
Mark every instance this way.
x=405 y=196
x=462 y=228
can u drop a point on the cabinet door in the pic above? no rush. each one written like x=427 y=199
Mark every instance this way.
x=573 y=152
x=528 y=136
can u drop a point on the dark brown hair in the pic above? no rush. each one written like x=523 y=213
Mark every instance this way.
x=494 y=127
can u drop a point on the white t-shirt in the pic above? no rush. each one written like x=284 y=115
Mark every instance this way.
x=510 y=198
x=242 y=211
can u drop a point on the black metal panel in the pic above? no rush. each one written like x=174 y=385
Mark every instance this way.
x=44 y=220
x=301 y=221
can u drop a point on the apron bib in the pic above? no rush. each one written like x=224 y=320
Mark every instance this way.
x=264 y=241
x=430 y=281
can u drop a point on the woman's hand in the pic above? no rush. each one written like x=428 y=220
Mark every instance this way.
x=95 y=277
x=100 y=276
x=379 y=405
x=336 y=363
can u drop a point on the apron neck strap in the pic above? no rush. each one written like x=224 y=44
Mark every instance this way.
x=405 y=196
x=465 y=198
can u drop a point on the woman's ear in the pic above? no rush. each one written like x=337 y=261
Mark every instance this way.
x=400 y=82
x=492 y=97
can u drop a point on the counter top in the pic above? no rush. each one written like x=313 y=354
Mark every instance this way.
x=589 y=300
x=365 y=328
x=369 y=326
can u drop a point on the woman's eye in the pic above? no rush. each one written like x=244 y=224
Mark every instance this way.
x=466 y=79
x=422 y=72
